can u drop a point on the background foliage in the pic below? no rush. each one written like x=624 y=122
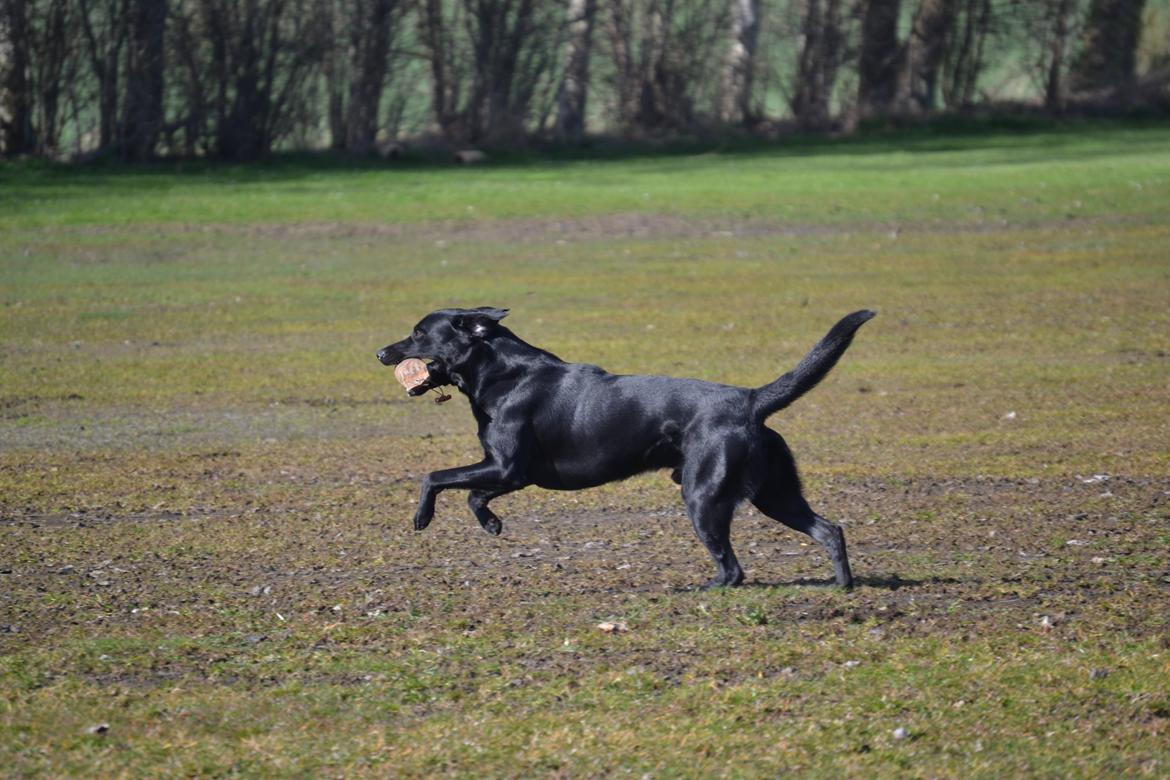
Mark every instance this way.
x=236 y=79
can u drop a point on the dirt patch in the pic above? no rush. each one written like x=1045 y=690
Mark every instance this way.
x=605 y=227
x=951 y=556
x=55 y=425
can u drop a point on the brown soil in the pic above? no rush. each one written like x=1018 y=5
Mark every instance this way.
x=940 y=558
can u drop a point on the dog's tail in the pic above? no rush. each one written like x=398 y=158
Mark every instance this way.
x=774 y=396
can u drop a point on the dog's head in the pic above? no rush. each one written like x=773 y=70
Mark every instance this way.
x=447 y=340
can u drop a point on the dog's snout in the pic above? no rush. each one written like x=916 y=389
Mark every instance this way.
x=383 y=356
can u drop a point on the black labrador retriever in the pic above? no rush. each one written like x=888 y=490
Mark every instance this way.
x=568 y=426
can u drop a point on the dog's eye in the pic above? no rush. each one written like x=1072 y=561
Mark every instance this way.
x=418 y=334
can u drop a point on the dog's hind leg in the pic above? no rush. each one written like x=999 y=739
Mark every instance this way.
x=478 y=501
x=712 y=524
x=797 y=515
x=710 y=503
x=779 y=498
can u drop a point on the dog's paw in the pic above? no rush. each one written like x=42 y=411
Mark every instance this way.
x=727 y=580
x=492 y=525
x=422 y=520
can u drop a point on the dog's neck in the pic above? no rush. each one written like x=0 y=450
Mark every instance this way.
x=495 y=367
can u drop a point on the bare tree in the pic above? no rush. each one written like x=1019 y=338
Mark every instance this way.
x=1053 y=24
x=16 y=97
x=37 y=71
x=371 y=44
x=1107 y=64
x=879 y=57
x=50 y=68
x=187 y=76
x=628 y=76
x=964 y=59
x=142 y=118
x=104 y=25
x=505 y=39
x=574 y=89
x=821 y=55
x=334 y=68
x=1055 y=88
x=934 y=23
x=1048 y=30
x=261 y=56
x=437 y=33
x=664 y=54
x=739 y=67
x=485 y=81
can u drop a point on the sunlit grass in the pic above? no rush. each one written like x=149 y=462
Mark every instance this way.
x=206 y=478
x=919 y=178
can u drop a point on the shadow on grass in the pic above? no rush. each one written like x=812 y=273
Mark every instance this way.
x=885 y=582
x=882 y=581
x=1015 y=138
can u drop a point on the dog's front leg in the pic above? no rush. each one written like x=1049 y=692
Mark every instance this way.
x=477 y=501
x=487 y=476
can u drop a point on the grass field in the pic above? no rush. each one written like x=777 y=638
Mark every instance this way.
x=206 y=479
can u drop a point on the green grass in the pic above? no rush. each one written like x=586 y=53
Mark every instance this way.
x=920 y=177
x=206 y=479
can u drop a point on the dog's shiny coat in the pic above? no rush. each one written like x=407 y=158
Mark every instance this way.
x=567 y=426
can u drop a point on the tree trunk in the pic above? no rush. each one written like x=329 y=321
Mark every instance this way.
x=104 y=45
x=964 y=61
x=1055 y=88
x=16 y=99
x=817 y=67
x=620 y=33
x=510 y=103
x=142 y=117
x=220 y=31
x=880 y=51
x=333 y=69
x=193 y=121
x=934 y=24
x=570 y=121
x=371 y=42
x=245 y=133
x=437 y=38
x=501 y=31
x=739 y=68
x=1107 y=65
x=48 y=73
x=108 y=102
x=650 y=111
x=235 y=139
x=653 y=107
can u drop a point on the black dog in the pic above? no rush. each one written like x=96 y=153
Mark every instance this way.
x=567 y=426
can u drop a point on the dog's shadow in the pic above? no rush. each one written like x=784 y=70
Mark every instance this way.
x=889 y=582
x=883 y=581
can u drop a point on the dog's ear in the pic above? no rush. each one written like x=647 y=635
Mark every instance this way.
x=480 y=322
x=492 y=312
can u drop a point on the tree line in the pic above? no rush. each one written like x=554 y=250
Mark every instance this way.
x=234 y=79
